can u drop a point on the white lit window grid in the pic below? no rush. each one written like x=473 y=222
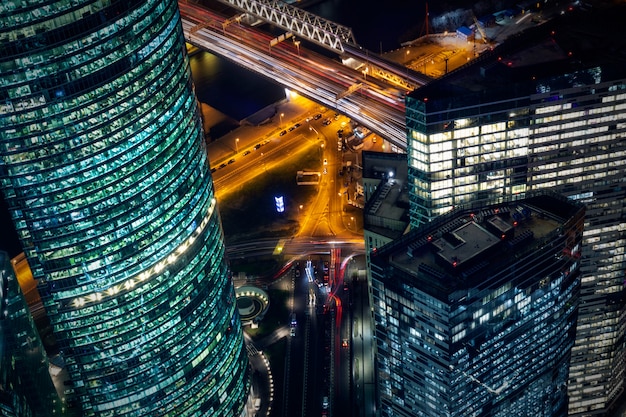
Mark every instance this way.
x=600 y=129
x=148 y=273
x=91 y=137
x=224 y=382
x=139 y=299
x=578 y=174
x=592 y=161
x=91 y=51
x=494 y=148
x=107 y=196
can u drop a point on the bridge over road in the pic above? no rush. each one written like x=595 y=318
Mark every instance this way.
x=329 y=35
x=374 y=104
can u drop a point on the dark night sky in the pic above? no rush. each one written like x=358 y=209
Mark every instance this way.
x=8 y=237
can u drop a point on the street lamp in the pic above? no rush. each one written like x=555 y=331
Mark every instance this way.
x=237 y=145
x=297 y=43
x=281 y=119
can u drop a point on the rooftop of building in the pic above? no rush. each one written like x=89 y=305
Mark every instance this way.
x=462 y=248
x=568 y=43
x=380 y=164
x=390 y=201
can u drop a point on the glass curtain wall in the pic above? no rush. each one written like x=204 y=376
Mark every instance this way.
x=565 y=134
x=105 y=171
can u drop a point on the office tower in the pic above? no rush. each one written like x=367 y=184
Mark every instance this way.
x=26 y=388
x=547 y=110
x=475 y=311
x=106 y=176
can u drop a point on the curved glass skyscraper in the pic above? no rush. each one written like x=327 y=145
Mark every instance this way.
x=106 y=175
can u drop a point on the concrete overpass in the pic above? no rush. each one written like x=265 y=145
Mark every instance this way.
x=322 y=81
x=329 y=35
x=293 y=19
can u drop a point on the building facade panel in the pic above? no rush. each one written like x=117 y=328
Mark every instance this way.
x=568 y=137
x=27 y=387
x=579 y=149
x=463 y=331
x=105 y=171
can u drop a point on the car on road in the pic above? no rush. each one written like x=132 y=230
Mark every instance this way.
x=257 y=146
x=325 y=161
x=318 y=116
x=246 y=153
x=293 y=332
x=291 y=128
x=213 y=170
x=283 y=133
x=222 y=166
x=231 y=161
x=326 y=122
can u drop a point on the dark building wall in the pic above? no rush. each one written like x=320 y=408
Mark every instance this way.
x=491 y=337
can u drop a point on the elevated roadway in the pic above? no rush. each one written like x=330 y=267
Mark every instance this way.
x=378 y=67
x=308 y=25
x=374 y=104
x=329 y=35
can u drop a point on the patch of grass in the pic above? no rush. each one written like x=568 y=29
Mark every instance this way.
x=276 y=355
x=250 y=213
x=250 y=267
x=276 y=316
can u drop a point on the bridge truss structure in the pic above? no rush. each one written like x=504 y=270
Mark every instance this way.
x=308 y=25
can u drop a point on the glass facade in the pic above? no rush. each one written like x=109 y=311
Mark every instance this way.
x=26 y=387
x=564 y=134
x=105 y=171
x=475 y=312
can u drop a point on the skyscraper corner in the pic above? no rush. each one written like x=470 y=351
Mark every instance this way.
x=544 y=110
x=476 y=311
